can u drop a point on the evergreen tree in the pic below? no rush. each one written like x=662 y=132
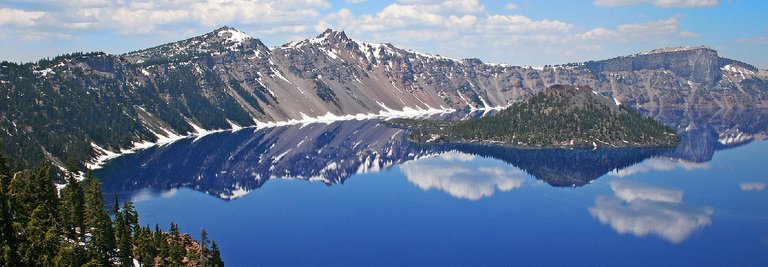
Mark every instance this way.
x=7 y=234
x=215 y=258
x=72 y=208
x=146 y=250
x=101 y=246
x=40 y=228
x=70 y=254
x=176 y=248
x=41 y=239
x=204 y=251
x=123 y=236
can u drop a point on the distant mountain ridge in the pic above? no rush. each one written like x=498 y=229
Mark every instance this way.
x=88 y=105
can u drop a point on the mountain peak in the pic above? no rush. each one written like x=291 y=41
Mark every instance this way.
x=330 y=36
x=231 y=36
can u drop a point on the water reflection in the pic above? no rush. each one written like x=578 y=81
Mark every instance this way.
x=640 y=210
x=229 y=165
x=752 y=186
x=660 y=164
x=461 y=176
x=562 y=167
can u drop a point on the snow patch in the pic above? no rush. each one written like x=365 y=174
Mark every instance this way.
x=235 y=38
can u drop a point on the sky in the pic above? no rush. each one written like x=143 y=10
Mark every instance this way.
x=517 y=32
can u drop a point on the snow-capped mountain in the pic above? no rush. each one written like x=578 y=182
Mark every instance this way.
x=85 y=105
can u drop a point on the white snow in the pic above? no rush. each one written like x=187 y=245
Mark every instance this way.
x=235 y=37
x=280 y=75
x=237 y=193
x=738 y=70
x=170 y=136
x=471 y=107
x=234 y=126
x=733 y=138
x=44 y=72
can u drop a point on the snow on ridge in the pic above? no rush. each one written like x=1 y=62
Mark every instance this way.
x=235 y=37
x=737 y=70
x=733 y=138
x=385 y=113
x=436 y=57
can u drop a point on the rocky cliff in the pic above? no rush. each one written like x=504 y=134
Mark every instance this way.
x=96 y=104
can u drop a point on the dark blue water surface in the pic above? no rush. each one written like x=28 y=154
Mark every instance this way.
x=357 y=193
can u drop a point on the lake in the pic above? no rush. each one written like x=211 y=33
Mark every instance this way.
x=357 y=193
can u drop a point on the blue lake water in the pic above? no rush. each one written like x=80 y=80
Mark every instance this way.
x=357 y=193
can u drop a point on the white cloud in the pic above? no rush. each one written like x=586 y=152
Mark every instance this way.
x=641 y=210
x=19 y=17
x=518 y=23
x=752 y=186
x=761 y=40
x=355 y=1
x=456 y=28
x=658 y=3
x=147 y=17
x=465 y=181
x=688 y=34
x=39 y=36
x=630 y=32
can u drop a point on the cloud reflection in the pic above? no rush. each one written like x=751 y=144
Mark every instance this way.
x=450 y=172
x=752 y=186
x=641 y=210
x=659 y=165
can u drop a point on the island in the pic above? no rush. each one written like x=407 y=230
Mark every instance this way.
x=560 y=116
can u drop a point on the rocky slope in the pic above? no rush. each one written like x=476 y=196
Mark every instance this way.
x=85 y=105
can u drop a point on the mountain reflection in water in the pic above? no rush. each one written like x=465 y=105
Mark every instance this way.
x=231 y=164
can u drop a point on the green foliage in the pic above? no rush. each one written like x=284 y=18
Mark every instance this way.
x=560 y=116
x=39 y=228
x=97 y=222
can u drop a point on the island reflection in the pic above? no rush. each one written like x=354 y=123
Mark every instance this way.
x=229 y=165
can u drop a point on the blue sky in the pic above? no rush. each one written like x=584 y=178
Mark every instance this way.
x=520 y=32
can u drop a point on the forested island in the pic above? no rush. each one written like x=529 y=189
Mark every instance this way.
x=43 y=226
x=559 y=116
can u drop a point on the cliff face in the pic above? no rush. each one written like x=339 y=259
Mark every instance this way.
x=696 y=64
x=85 y=103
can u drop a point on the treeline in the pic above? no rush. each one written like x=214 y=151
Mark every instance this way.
x=558 y=116
x=42 y=226
x=95 y=98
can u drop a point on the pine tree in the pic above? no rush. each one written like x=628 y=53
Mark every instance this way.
x=72 y=209
x=123 y=236
x=70 y=254
x=176 y=248
x=41 y=239
x=215 y=258
x=7 y=234
x=101 y=246
x=204 y=251
x=146 y=250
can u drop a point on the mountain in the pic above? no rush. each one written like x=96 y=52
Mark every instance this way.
x=560 y=116
x=86 y=105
